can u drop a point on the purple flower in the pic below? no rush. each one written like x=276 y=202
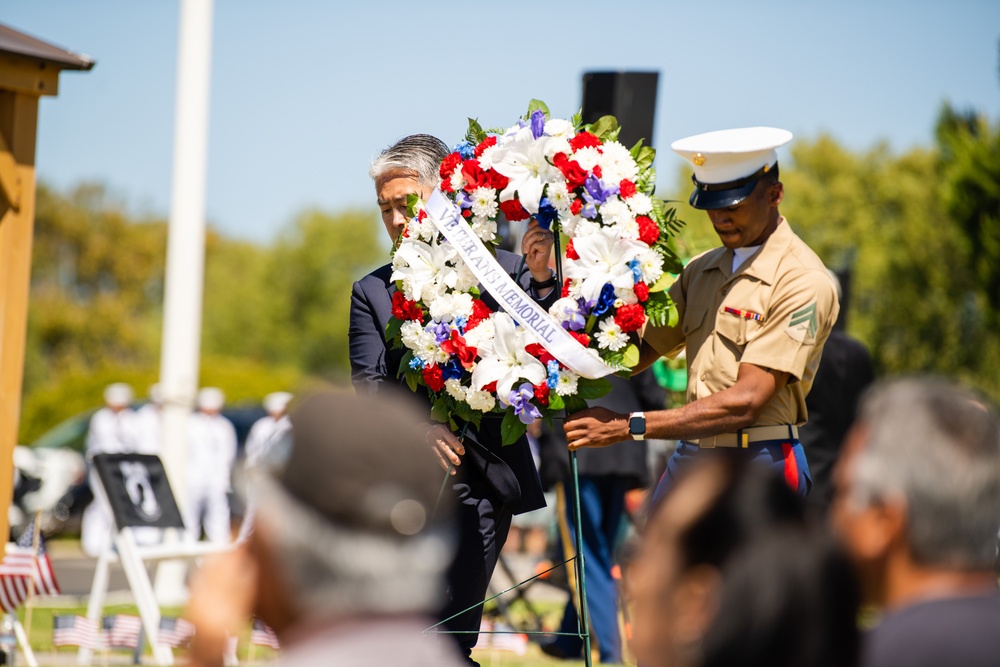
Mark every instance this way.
x=537 y=123
x=441 y=331
x=520 y=398
x=463 y=199
x=595 y=192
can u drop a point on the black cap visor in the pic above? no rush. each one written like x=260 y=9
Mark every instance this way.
x=708 y=196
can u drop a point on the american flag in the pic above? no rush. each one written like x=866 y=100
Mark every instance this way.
x=122 y=631
x=262 y=635
x=175 y=632
x=75 y=631
x=20 y=566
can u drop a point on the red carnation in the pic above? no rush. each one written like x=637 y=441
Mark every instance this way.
x=580 y=337
x=466 y=213
x=474 y=176
x=626 y=188
x=565 y=288
x=480 y=311
x=542 y=394
x=498 y=180
x=491 y=387
x=649 y=231
x=404 y=309
x=571 y=251
x=584 y=140
x=513 y=210
x=597 y=171
x=538 y=352
x=641 y=291
x=421 y=215
x=449 y=165
x=456 y=346
x=576 y=207
x=630 y=317
x=571 y=169
x=433 y=378
x=485 y=143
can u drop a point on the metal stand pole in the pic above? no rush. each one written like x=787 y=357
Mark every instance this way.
x=581 y=578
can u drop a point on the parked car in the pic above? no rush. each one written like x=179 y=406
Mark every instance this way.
x=51 y=473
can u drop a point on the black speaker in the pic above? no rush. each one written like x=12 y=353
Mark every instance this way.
x=628 y=96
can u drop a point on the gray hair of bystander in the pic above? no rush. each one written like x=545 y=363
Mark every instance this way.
x=418 y=153
x=935 y=447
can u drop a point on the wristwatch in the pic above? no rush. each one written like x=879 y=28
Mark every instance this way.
x=637 y=425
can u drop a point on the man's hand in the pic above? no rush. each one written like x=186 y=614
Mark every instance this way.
x=447 y=447
x=595 y=427
x=221 y=602
x=536 y=246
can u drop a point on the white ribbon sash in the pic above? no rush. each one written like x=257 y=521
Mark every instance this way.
x=449 y=221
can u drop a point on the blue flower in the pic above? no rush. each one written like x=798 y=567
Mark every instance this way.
x=553 y=379
x=460 y=323
x=520 y=398
x=452 y=370
x=636 y=267
x=537 y=123
x=547 y=213
x=466 y=149
x=605 y=301
x=416 y=363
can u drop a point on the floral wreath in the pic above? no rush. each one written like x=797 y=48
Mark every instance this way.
x=616 y=262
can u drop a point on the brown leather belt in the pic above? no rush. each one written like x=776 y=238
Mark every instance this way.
x=746 y=436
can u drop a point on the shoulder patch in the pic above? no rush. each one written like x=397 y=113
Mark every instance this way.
x=803 y=324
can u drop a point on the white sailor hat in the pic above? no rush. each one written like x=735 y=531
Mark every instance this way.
x=211 y=398
x=727 y=163
x=118 y=394
x=277 y=401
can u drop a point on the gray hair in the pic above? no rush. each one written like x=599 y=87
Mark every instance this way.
x=418 y=153
x=936 y=447
x=332 y=569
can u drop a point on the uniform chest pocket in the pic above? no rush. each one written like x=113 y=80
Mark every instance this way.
x=693 y=319
x=732 y=335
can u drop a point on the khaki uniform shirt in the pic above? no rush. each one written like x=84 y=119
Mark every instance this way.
x=786 y=284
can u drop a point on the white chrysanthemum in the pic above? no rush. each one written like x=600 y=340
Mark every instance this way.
x=569 y=224
x=447 y=307
x=466 y=278
x=484 y=228
x=558 y=194
x=430 y=350
x=482 y=335
x=483 y=401
x=559 y=127
x=625 y=295
x=484 y=203
x=455 y=389
x=628 y=229
x=486 y=157
x=564 y=309
x=651 y=266
x=640 y=203
x=412 y=332
x=456 y=181
x=616 y=163
x=585 y=228
x=556 y=145
x=588 y=158
x=566 y=382
x=615 y=212
x=610 y=336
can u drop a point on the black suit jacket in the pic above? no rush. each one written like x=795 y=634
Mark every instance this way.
x=509 y=470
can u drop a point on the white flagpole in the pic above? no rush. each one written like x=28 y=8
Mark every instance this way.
x=185 y=261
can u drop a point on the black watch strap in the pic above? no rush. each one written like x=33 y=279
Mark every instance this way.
x=544 y=284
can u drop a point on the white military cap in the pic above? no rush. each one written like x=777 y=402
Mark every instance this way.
x=211 y=398
x=727 y=163
x=277 y=401
x=118 y=394
x=155 y=394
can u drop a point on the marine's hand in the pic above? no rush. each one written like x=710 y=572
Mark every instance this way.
x=447 y=447
x=595 y=427
x=536 y=246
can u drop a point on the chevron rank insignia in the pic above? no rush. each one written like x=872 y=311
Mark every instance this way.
x=803 y=325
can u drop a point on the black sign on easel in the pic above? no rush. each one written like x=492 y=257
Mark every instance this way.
x=138 y=490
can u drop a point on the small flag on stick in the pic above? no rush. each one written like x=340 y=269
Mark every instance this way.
x=262 y=635
x=74 y=631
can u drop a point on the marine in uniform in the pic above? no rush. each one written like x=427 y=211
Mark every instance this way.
x=753 y=316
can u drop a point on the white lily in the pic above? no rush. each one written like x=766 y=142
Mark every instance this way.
x=420 y=265
x=523 y=162
x=504 y=360
x=603 y=259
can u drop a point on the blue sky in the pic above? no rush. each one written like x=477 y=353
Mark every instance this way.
x=304 y=92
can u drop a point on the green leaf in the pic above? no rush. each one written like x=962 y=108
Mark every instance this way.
x=605 y=128
x=589 y=389
x=645 y=157
x=475 y=133
x=412 y=380
x=575 y=404
x=577 y=118
x=556 y=402
x=631 y=356
x=411 y=204
x=392 y=328
x=404 y=363
x=665 y=281
x=512 y=428
x=534 y=105
x=440 y=411
x=634 y=152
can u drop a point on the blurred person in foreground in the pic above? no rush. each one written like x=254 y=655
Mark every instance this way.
x=491 y=482
x=347 y=557
x=918 y=505
x=731 y=574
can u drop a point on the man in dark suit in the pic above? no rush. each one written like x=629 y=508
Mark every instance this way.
x=491 y=482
